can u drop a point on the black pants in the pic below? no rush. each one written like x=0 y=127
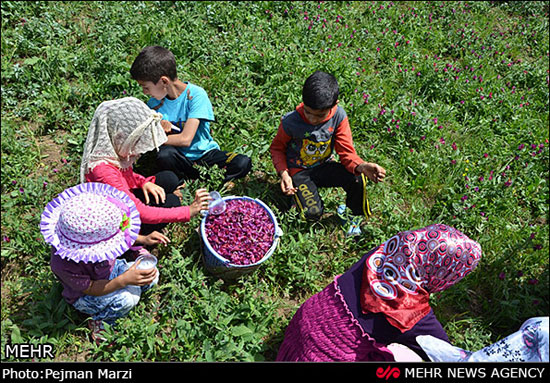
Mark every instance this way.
x=329 y=174
x=236 y=165
x=168 y=181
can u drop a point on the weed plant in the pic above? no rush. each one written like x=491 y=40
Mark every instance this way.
x=450 y=97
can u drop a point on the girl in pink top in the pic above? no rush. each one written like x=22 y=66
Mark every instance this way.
x=122 y=130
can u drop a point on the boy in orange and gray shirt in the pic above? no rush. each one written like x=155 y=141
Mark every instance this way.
x=301 y=151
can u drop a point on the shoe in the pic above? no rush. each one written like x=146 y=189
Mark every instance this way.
x=342 y=214
x=349 y=223
x=354 y=228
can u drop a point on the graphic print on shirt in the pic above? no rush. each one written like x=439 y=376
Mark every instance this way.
x=313 y=152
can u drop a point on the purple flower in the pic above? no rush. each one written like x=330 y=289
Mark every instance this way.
x=242 y=234
x=502 y=275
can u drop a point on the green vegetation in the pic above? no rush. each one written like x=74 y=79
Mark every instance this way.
x=451 y=98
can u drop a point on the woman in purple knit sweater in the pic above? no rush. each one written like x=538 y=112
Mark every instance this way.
x=382 y=300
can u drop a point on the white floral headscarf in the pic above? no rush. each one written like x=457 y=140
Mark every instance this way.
x=120 y=131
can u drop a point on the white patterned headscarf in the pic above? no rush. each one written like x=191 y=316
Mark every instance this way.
x=120 y=131
x=528 y=344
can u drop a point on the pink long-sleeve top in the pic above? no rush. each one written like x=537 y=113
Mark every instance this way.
x=126 y=180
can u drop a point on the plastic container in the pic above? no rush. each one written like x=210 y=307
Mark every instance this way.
x=217 y=205
x=148 y=261
x=222 y=267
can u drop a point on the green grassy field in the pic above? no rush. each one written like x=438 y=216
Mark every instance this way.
x=451 y=98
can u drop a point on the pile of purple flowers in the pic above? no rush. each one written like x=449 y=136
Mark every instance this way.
x=243 y=234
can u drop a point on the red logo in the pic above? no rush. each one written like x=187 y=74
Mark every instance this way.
x=389 y=372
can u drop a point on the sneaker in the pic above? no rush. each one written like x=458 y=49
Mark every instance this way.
x=349 y=223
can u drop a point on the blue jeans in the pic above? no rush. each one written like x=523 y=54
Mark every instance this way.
x=117 y=304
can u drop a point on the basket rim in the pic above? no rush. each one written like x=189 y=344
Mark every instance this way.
x=267 y=255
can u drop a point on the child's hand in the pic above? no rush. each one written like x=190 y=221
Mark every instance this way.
x=139 y=277
x=153 y=238
x=200 y=203
x=374 y=172
x=286 y=184
x=157 y=191
x=166 y=125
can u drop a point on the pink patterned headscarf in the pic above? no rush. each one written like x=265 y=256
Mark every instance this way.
x=401 y=274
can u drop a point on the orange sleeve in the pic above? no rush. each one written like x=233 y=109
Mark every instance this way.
x=343 y=144
x=278 y=149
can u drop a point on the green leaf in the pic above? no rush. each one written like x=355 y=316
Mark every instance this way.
x=16 y=335
x=240 y=330
x=31 y=61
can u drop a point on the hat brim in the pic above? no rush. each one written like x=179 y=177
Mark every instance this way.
x=97 y=252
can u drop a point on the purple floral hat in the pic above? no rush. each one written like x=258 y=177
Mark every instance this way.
x=91 y=222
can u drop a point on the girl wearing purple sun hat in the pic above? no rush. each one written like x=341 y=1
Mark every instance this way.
x=89 y=226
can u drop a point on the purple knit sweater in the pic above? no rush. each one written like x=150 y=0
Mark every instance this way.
x=330 y=326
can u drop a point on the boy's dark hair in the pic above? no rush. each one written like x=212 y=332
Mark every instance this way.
x=152 y=63
x=320 y=91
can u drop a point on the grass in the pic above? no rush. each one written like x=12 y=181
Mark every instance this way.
x=450 y=97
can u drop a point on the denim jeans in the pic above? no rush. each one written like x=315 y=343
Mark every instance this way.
x=117 y=304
